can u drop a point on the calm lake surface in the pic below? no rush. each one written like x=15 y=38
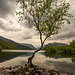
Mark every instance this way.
x=62 y=64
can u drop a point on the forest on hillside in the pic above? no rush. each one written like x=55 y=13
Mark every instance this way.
x=65 y=49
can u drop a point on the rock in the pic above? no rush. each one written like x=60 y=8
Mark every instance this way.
x=20 y=74
x=9 y=67
x=31 y=69
x=36 y=74
x=53 y=72
x=19 y=70
x=7 y=70
x=47 y=69
x=3 y=68
x=18 y=66
x=63 y=74
x=37 y=68
x=43 y=69
x=27 y=73
x=45 y=73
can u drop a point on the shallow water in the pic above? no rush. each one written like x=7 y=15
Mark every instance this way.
x=65 y=65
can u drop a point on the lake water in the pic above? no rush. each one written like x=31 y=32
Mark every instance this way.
x=62 y=64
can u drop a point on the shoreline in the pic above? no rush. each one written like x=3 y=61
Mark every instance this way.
x=21 y=70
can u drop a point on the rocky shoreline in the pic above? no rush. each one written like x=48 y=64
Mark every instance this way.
x=20 y=70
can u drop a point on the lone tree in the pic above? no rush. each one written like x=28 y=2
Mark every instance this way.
x=46 y=16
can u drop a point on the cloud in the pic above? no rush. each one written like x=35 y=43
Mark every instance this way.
x=8 y=28
x=6 y=7
x=11 y=29
x=66 y=35
x=27 y=37
x=28 y=33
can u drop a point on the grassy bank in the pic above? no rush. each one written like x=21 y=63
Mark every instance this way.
x=9 y=55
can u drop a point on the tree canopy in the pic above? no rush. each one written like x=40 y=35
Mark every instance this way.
x=46 y=16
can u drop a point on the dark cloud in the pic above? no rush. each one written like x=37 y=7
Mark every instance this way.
x=5 y=8
x=64 y=35
x=68 y=35
x=27 y=37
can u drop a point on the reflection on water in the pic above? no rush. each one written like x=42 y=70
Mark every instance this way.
x=73 y=59
x=58 y=55
x=66 y=64
x=57 y=62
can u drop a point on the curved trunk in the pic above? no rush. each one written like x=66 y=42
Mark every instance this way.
x=29 y=63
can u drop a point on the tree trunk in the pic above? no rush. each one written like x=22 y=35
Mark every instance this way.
x=29 y=63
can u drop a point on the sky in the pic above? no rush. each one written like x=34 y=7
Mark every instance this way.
x=19 y=32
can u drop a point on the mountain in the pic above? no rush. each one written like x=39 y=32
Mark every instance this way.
x=9 y=44
x=29 y=45
x=56 y=44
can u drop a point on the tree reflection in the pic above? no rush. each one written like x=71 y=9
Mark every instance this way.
x=57 y=55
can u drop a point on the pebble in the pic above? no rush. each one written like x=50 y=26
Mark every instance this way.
x=27 y=73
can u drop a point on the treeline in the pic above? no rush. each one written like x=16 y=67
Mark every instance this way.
x=65 y=49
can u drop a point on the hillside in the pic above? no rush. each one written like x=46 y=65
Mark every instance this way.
x=9 y=44
x=29 y=45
